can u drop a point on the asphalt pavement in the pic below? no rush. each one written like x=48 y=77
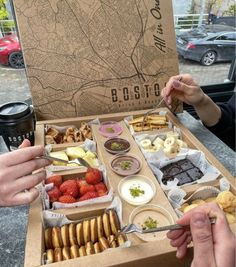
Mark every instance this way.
x=14 y=86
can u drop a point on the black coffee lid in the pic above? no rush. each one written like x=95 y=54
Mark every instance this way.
x=14 y=110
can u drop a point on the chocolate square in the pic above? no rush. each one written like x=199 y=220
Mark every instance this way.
x=174 y=170
x=167 y=168
x=185 y=164
x=195 y=173
x=183 y=178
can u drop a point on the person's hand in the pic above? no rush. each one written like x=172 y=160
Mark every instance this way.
x=214 y=245
x=17 y=183
x=184 y=88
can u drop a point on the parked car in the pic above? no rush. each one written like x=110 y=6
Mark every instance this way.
x=207 y=47
x=226 y=20
x=10 y=52
x=211 y=28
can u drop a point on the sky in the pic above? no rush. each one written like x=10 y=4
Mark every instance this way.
x=181 y=6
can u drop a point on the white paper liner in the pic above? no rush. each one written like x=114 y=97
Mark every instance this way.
x=88 y=145
x=51 y=219
x=132 y=131
x=95 y=122
x=141 y=136
x=176 y=196
x=224 y=184
x=158 y=160
x=59 y=205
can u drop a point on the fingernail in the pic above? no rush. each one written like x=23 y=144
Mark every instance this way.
x=199 y=219
x=177 y=254
x=176 y=84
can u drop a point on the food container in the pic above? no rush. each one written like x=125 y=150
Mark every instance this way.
x=136 y=189
x=140 y=252
x=125 y=165
x=151 y=216
x=117 y=145
x=110 y=129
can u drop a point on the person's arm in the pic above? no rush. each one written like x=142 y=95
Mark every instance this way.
x=214 y=245
x=188 y=91
x=208 y=111
x=17 y=180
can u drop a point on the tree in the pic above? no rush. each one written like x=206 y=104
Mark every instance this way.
x=210 y=4
x=192 y=9
x=3 y=11
x=231 y=11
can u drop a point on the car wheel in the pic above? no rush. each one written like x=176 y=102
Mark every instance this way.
x=16 y=60
x=208 y=58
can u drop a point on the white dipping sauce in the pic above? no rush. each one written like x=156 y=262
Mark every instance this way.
x=142 y=185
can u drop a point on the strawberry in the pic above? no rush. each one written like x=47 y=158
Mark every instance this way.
x=86 y=188
x=88 y=195
x=67 y=199
x=55 y=179
x=80 y=182
x=93 y=176
x=101 y=189
x=54 y=194
x=69 y=187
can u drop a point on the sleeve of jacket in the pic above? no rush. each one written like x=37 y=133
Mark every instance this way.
x=227 y=120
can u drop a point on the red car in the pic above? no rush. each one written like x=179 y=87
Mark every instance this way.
x=10 y=52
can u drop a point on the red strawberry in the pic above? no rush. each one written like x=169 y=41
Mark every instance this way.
x=55 y=179
x=93 y=176
x=67 y=199
x=54 y=194
x=88 y=195
x=69 y=187
x=86 y=188
x=101 y=189
x=80 y=182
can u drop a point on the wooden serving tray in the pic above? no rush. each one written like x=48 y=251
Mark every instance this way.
x=140 y=253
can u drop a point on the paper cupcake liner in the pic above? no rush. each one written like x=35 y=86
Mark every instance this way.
x=203 y=193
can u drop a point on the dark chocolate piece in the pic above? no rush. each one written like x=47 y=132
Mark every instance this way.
x=184 y=170
x=183 y=178
x=195 y=173
x=185 y=164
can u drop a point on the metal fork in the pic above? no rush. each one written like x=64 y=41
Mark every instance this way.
x=157 y=106
x=150 y=111
x=78 y=161
x=131 y=228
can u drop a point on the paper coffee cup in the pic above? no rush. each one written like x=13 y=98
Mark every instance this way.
x=17 y=122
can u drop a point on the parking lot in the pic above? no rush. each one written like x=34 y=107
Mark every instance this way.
x=14 y=86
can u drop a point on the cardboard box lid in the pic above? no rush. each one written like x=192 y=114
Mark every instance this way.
x=92 y=57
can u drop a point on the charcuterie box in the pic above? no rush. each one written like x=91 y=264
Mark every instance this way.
x=140 y=252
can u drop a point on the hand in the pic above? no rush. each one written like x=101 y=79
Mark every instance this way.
x=17 y=183
x=186 y=90
x=214 y=245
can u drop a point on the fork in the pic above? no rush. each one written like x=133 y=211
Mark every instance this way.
x=78 y=161
x=150 y=111
x=131 y=228
x=158 y=105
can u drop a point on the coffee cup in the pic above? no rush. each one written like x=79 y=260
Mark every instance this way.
x=17 y=122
